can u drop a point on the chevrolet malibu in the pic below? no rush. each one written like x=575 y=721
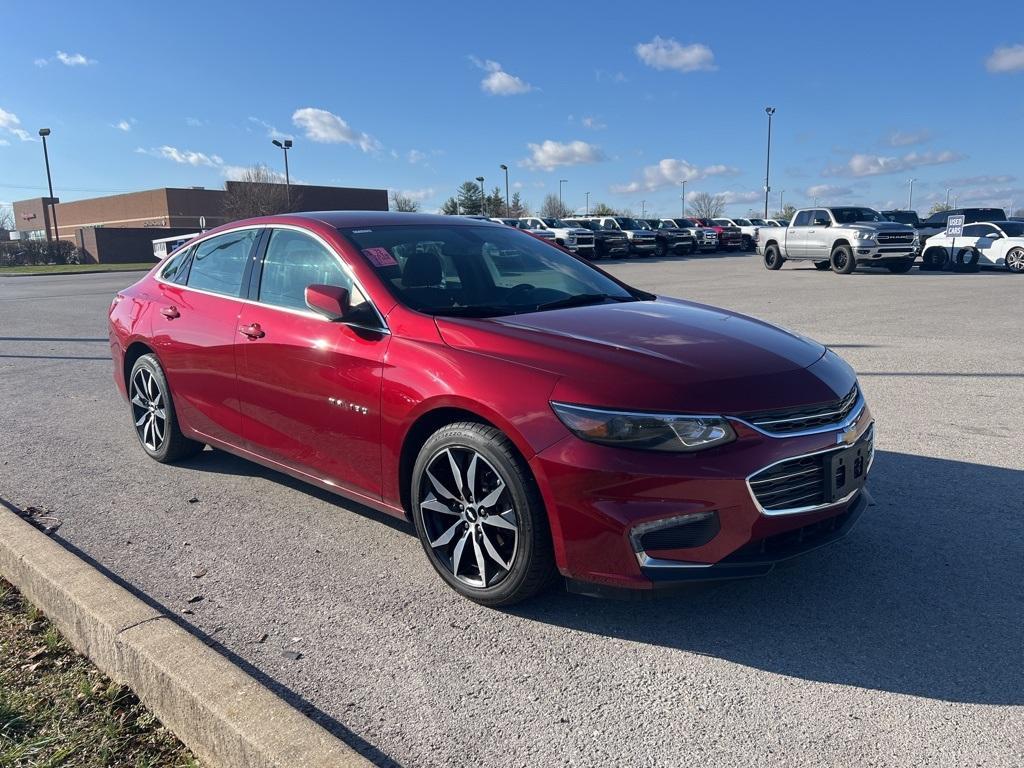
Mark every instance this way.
x=530 y=414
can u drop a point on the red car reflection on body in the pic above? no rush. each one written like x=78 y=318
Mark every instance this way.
x=531 y=414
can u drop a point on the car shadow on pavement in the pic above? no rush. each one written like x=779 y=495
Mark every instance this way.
x=924 y=597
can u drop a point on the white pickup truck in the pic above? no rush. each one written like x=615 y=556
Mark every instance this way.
x=840 y=239
x=748 y=230
x=576 y=239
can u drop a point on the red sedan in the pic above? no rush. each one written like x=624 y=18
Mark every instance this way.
x=531 y=414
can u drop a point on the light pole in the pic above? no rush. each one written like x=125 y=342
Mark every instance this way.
x=588 y=203
x=43 y=133
x=910 y=200
x=682 y=197
x=768 y=161
x=560 y=183
x=508 y=207
x=483 y=201
x=947 y=196
x=782 y=208
x=643 y=209
x=285 y=146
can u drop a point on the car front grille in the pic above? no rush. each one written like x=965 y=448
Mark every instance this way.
x=789 y=420
x=587 y=241
x=895 y=237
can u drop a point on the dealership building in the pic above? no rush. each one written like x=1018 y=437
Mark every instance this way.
x=121 y=228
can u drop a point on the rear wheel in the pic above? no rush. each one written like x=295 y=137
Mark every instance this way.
x=479 y=515
x=822 y=266
x=900 y=266
x=843 y=262
x=934 y=259
x=1015 y=261
x=152 y=408
x=966 y=260
x=772 y=258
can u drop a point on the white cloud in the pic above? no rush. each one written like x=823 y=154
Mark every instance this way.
x=325 y=127
x=732 y=198
x=194 y=122
x=4 y=143
x=830 y=191
x=667 y=53
x=419 y=195
x=272 y=132
x=125 y=125
x=10 y=123
x=965 y=181
x=41 y=62
x=74 y=59
x=876 y=165
x=415 y=156
x=552 y=154
x=183 y=156
x=669 y=172
x=1007 y=58
x=593 y=123
x=498 y=81
x=907 y=138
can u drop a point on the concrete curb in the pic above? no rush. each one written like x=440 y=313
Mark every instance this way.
x=223 y=715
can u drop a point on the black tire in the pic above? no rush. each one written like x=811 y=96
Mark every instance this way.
x=1015 y=261
x=149 y=395
x=842 y=260
x=692 y=250
x=934 y=259
x=900 y=266
x=966 y=260
x=532 y=560
x=661 y=248
x=772 y=258
x=823 y=266
x=747 y=243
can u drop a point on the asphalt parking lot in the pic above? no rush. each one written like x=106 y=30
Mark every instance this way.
x=902 y=645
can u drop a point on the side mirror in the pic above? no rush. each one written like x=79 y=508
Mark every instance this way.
x=822 y=223
x=331 y=301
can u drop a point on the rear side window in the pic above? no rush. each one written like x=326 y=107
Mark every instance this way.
x=293 y=261
x=219 y=263
x=176 y=270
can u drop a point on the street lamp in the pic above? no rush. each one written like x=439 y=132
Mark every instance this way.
x=285 y=146
x=508 y=207
x=910 y=200
x=768 y=161
x=682 y=197
x=588 y=203
x=643 y=209
x=483 y=200
x=560 y=183
x=782 y=208
x=43 y=133
x=947 y=195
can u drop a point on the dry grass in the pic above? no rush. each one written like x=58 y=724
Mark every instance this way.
x=57 y=709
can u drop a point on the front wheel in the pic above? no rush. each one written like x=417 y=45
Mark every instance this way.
x=1015 y=261
x=479 y=515
x=843 y=262
x=661 y=248
x=772 y=258
x=900 y=266
x=152 y=409
x=934 y=259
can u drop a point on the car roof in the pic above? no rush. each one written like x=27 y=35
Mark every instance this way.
x=382 y=218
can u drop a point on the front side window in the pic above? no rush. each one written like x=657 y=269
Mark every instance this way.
x=480 y=271
x=803 y=219
x=219 y=263
x=979 y=230
x=295 y=260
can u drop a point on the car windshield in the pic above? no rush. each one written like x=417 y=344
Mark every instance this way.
x=759 y=222
x=626 y=223
x=642 y=224
x=556 y=223
x=854 y=215
x=742 y=222
x=686 y=223
x=480 y=271
x=1012 y=228
x=584 y=224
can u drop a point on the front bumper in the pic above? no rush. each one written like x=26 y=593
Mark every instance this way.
x=643 y=246
x=600 y=498
x=875 y=252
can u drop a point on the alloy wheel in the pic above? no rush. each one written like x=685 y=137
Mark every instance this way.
x=1015 y=260
x=149 y=409
x=468 y=516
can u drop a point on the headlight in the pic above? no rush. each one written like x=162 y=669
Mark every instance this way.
x=864 y=237
x=645 y=431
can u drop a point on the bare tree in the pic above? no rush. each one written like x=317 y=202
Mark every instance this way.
x=6 y=217
x=707 y=206
x=602 y=209
x=940 y=207
x=786 y=213
x=260 y=193
x=552 y=206
x=403 y=202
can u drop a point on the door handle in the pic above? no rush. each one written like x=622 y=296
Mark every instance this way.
x=253 y=331
x=170 y=312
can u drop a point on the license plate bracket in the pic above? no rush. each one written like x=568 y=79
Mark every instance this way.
x=848 y=469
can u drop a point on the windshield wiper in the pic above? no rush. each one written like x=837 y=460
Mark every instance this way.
x=578 y=300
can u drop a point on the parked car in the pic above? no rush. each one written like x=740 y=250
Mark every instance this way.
x=729 y=236
x=747 y=230
x=544 y=234
x=608 y=244
x=530 y=415
x=778 y=222
x=576 y=239
x=903 y=217
x=642 y=242
x=669 y=239
x=840 y=239
x=936 y=223
x=705 y=239
x=989 y=244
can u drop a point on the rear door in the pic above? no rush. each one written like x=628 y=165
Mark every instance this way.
x=985 y=238
x=194 y=331
x=309 y=388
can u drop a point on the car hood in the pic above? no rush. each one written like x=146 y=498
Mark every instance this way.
x=877 y=226
x=664 y=354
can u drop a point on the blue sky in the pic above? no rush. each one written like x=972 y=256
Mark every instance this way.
x=623 y=102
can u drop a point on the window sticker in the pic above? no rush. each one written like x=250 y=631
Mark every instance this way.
x=380 y=257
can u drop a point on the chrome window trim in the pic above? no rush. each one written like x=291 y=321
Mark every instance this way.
x=855 y=413
x=301 y=312
x=812 y=507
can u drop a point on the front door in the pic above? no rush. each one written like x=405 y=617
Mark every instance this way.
x=309 y=388
x=796 y=235
x=818 y=239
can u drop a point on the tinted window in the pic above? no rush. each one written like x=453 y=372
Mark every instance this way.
x=938 y=219
x=802 y=219
x=176 y=270
x=984 y=214
x=855 y=215
x=293 y=261
x=479 y=271
x=219 y=263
